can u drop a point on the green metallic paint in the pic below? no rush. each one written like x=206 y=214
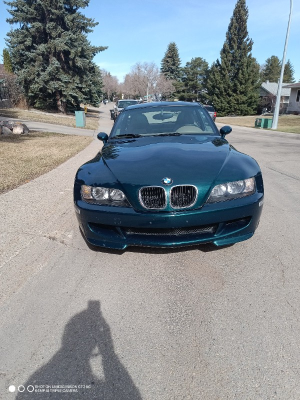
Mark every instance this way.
x=191 y=159
x=197 y=160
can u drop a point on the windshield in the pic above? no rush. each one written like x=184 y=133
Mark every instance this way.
x=126 y=103
x=164 y=120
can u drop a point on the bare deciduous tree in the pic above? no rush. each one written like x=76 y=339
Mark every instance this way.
x=146 y=79
x=13 y=91
x=164 y=87
x=111 y=84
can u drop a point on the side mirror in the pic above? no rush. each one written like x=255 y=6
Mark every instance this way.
x=225 y=130
x=102 y=136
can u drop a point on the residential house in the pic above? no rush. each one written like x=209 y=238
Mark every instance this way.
x=294 y=101
x=268 y=94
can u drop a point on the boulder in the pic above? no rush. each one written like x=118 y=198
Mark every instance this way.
x=16 y=128
x=26 y=129
x=5 y=131
x=8 y=124
x=20 y=129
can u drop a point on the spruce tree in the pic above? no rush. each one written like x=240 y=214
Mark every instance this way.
x=271 y=69
x=170 y=64
x=7 y=62
x=193 y=76
x=288 y=74
x=233 y=81
x=218 y=86
x=51 y=54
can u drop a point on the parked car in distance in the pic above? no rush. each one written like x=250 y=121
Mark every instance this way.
x=119 y=107
x=167 y=177
x=121 y=104
x=211 y=111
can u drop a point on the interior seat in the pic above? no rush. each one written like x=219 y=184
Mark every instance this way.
x=138 y=124
x=184 y=118
x=186 y=123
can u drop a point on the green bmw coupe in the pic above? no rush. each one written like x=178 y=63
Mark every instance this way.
x=167 y=177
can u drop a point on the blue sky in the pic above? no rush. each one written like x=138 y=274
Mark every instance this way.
x=140 y=30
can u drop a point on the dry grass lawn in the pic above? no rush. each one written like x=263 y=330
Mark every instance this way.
x=286 y=123
x=25 y=157
x=92 y=117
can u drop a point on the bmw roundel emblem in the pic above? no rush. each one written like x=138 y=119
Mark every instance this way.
x=167 y=181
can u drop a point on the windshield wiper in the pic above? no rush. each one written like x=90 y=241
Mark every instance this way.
x=169 y=134
x=127 y=135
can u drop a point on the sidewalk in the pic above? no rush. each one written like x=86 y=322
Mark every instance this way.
x=39 y=216
x=105 y=124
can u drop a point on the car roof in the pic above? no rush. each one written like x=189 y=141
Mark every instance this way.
x=127 y=100
x=163 y=103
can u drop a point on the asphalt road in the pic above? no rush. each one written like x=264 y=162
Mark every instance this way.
x=195 y=323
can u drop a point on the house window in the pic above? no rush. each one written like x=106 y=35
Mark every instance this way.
x=298 y=95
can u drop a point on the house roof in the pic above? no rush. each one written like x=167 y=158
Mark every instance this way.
x=292 y=85
x=272 y=88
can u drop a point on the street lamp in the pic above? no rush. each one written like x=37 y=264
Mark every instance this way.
x=276 y=111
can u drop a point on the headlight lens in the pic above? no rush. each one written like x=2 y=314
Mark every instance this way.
x=232 y=190
x=117 y=195
x=102 y=195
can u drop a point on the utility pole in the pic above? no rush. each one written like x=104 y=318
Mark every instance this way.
x=147 y=91
x=276 y=111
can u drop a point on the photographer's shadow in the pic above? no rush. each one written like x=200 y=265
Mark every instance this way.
x=86 y=339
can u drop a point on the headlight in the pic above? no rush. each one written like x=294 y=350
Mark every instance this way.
x=232 y=190
x=102 y=195
x=117 y=195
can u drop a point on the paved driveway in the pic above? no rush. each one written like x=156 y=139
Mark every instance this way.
x=195 y=323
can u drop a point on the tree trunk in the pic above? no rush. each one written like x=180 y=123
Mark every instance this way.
x=61 y=105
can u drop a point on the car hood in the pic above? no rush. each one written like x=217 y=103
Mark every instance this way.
x=184 y=159
x=202 y=161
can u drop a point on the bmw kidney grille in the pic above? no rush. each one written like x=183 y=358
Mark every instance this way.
x=183 y=196
x=155 y=197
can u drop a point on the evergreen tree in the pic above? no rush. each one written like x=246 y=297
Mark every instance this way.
x=193 y=76
x=7 y=62
x=271 y=69
x=233 y=81
x=170 y=64
x=218 y=86
x=288 y=74
x=51 y=54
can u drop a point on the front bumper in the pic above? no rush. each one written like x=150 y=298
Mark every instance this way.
x=223 y=223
